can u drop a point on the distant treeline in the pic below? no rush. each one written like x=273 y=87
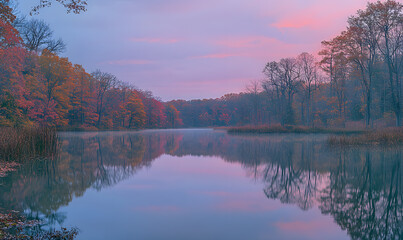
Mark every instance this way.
x=356 y=82
x=39 y=88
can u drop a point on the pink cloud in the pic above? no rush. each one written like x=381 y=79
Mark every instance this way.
x=295 y=23
x=259 y=47
x=129 y=62
x=246 y=42
x=318 y=15
x=155 y=40
x=217 y=55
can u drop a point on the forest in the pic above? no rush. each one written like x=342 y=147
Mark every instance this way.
x=354 y=81
x=40 y=88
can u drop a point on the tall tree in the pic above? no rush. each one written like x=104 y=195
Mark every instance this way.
x=254 y=89
x=135 y=111
x=309 y=75
x=361 y=42
x=38 y=36
x=105 y=81
x=283 y=78
x=173 y=118
x=56 y=83
x=388 y=18
x=82 y=99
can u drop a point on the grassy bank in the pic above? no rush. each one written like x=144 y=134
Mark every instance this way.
x=288 y=129
x=385 y=137
x=19 y=143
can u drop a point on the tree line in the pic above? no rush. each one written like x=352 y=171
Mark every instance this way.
x=355 y=80
x=38 y=87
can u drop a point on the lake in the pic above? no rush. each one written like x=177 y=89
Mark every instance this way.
x=206 y=184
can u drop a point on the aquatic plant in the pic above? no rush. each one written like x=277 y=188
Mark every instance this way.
x=17 y=144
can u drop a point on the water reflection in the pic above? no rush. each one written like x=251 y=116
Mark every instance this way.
x=360 y=188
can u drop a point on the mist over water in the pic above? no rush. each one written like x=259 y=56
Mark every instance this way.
x=206 y=184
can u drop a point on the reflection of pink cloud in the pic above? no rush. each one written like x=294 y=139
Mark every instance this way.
x=154 y=40
x=158 y=209
x=217 y=194
x=211 y=166
x=251 y=201
x=246 y=205
x=136 y=186
x=304 y=227
x=218 y=55
x=129 y=62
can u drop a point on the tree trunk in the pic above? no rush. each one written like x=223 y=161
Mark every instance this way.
x=368 y=119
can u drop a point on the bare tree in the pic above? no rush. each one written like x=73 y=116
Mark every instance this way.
x=361 y=42
x=388 y=18
x=309 y=75
x=105 y=81
x=38 y=36
x=283 y=78
x=254 y=90
x=75 y=6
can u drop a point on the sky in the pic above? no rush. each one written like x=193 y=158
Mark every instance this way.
x=194 y=49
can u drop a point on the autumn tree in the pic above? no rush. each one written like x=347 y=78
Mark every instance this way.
x=9 y=36
x=55 y=85
x=13 y=95
x=173 y=118
x=82 y=99
x=335 y=63
x=135 y=111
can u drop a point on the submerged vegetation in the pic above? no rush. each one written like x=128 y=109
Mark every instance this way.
x=13 y=226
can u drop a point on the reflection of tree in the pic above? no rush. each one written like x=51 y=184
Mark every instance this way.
x=360 y=188
x=86 y=161
x=291 y=180
x=367 y=199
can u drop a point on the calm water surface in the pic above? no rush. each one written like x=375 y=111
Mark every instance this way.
x=205 y=184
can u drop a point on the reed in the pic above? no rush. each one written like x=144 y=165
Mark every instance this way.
x=385 y=137
x=21 y=143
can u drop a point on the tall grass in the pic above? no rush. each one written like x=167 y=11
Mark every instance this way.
x=385 y=137
x=21 y=143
